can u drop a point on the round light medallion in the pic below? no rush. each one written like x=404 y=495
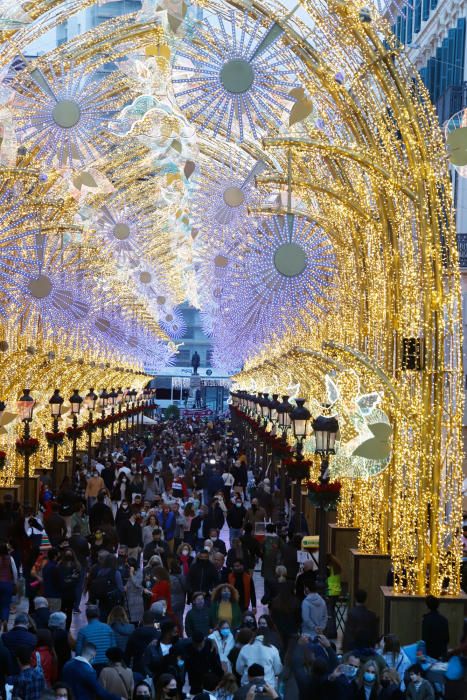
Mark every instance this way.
x=121 y=232
x=41 y=287
x=169 y=318
x=290 y=260
x=161 y=300
x=221 y=261
x=237 y=76
x=145 y=277
x=66 y=114
x=233 y=197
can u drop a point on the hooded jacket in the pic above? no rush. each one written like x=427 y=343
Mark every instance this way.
x=314 y=614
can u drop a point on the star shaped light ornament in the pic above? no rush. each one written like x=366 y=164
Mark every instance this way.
x=235 y=76
x=61 y=113
x=125 y=234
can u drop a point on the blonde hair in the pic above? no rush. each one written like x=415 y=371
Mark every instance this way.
x=281 y=572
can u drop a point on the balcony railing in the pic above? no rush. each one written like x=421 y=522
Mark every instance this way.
x=462 y=247
x=451 y=101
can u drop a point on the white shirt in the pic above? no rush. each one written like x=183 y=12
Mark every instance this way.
x=124 y=470
x=228 y=479
x=165 y=648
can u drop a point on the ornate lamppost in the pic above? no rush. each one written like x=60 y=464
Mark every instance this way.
x=112 y=402
x=120 y=397
x=90 y=400
x=103 y=399
x=26 y=446
x=299 y=417
x=283 y=419
x=75 y=401
x=127 y=399
x=325 y=429
x=133 y=394
x=56 y=437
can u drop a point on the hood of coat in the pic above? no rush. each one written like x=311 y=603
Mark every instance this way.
x=314 y=599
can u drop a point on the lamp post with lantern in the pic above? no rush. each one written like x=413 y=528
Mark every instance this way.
x=112 y=403
x=325 y=429
x=103 y=400
x=119 y=408
x=25 y=407
x=299 y=418
x=90 y=401
x=127 y=399
x=56 y=405
x=283 y=420
x=75 y=401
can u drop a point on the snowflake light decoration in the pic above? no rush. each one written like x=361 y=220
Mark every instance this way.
x=226 y=192
x=235 y=70
x=62 y=113
x=123 y=231
x=173 y=323
x=286 y=265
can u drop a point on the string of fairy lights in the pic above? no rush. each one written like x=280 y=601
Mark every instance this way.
x=288 y=178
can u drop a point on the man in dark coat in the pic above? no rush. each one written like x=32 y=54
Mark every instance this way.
x=360 y=619
x=202 y=575
x=435 y=630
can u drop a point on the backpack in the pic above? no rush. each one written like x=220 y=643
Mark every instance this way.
x=102 y=586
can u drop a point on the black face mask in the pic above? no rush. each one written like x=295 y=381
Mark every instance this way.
x=172 y=692
x=385 y=682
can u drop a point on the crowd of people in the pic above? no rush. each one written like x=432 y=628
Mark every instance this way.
x=171 y=546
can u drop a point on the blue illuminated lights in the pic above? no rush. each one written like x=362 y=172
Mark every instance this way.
x=235 y=71
x=61 y=113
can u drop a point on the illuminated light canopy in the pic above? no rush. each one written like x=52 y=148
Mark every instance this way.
x=235 y=71
x=173 y=323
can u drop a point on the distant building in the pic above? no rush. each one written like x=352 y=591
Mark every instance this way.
x=93 y=16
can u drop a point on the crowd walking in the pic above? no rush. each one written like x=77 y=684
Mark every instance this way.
x=161 y=570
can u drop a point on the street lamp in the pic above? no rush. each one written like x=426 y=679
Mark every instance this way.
x=325 y=429
x=25 y=407
x=103 y=400
x=133 y=394
x=126 y=399
x=120 y=396
x=299 y=418
x=56 y=405
x=274 y=406
x=90 y=401
x=283 y=415
x=75 y=401
x=112 y=403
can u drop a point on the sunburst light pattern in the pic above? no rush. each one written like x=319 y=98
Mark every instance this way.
x=235 y=71
x=61 y=112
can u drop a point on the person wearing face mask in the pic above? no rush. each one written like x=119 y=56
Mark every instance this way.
x=123 y=514
x=185 y=557
x=257 y=652
x=197 y=620
x=166 y=688
x=244 y=585
x=390 y=685
x=201 y=658
x=94 y=485
x=202 y=575
x=368 y=682
x=235 y=519
x=343 y=679
x=224 y=641
x=224 y=606
x=100 y=514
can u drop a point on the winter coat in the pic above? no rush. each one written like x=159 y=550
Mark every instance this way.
x=314 y=614
x=122 y=630
x=118 y=679
x=134 y=596
x=198 y=620
x=178 y=590
x=224 y=647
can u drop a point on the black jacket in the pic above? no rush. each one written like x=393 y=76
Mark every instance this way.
x=202 y=661
x=202 y=576
x=100 y=514
x=435 y=634
x=138 y=641
x=360 y=619
x=235 y=517
x=131 y=534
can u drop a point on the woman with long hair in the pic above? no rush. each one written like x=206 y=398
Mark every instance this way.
x=166 y=687
x=270 y=632
x=368 y=682
x=259 y=652
x=8 y=581
x=185 y=557
x=44 y=656
x=161 y=589
x=119 y=622
x=394 y=656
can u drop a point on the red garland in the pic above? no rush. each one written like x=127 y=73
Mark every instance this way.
x=74 y=432
x=290 y=462
x=327 y=487
x=54 y=438
x=2 y=459
x=27 y=446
